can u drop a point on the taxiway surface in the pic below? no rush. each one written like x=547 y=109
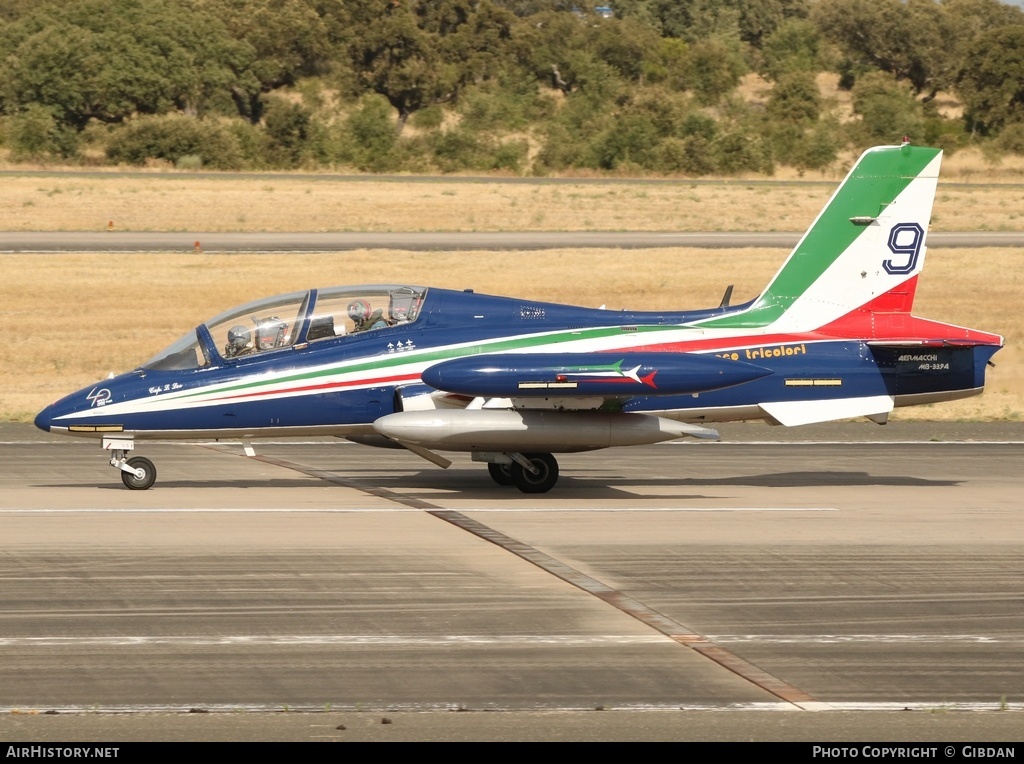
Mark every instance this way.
x=832 y=571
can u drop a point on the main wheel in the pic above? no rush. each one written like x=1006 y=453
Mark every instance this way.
x=500 y=473
x=543 y=480
x=148 y=474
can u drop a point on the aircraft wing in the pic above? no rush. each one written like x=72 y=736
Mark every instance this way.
x=555 y=401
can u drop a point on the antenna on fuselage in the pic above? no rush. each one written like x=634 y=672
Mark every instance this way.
x=726 y=297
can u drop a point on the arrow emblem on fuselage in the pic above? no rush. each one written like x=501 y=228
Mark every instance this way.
x=612 y=373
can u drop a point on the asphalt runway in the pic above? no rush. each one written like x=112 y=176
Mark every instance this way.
x=839 y=583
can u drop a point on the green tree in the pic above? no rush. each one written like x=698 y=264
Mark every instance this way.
x=750 y=21
x=159 y=55
x=909 y=39
x=556 y=47
x=991 y=82
x=795 y=99
x=524 y=8
x=693 y=20
x=289 y=127
x=369 y=140
x=758 y=19
x=713 y=69
x=34 y=133
x=420 y=53
x=625 y=45
x=794 y=46
x=285 y=40
x=509 y=102
x=887 y=108
x=736 y=151
x=172 y=137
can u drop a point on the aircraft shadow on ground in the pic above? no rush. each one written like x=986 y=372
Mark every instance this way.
x=470 y=484
x=465 y=479
x=812 y=479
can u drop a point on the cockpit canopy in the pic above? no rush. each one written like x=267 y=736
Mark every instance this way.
x=288 y=320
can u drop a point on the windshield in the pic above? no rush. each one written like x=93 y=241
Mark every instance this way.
x=186 y=353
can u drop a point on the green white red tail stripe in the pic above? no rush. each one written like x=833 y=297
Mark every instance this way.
x=852 y=255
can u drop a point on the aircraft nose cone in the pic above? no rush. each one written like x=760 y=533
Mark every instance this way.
x=44 y=418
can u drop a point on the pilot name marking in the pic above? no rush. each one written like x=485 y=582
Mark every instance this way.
x=156 y=390
x=769 y=351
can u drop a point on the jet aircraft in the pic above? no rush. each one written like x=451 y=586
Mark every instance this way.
x=514 y=381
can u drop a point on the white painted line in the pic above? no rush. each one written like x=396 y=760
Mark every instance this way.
x=648 y=509
x=562 y=640
x=889 y=639
x=390 y=510
x=574 y=640
x=776 y=707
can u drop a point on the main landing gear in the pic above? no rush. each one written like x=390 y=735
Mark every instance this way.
x=137 y=473
x=530 y=473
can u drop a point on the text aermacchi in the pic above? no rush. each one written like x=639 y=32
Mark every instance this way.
x=512 y=382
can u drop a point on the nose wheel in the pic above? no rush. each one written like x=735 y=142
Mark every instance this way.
x=138 y=473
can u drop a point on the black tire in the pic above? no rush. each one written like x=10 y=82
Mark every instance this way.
x=147 y=479
x=540 y=482
x=501 y=473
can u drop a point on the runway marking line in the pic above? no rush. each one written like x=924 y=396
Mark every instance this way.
x=388 y=510
x=563 y=640
x=768 y=706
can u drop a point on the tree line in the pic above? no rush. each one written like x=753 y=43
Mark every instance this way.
x=521 y=86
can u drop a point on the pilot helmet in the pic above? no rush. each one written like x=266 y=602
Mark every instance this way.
x=238 y=339
x=358 y=310
x=270 y=333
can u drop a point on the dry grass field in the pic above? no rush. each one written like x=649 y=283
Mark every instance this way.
x=175 y=202
x=72 y=318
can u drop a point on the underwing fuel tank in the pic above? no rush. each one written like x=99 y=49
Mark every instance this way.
x=517 y=375
x=531 y=430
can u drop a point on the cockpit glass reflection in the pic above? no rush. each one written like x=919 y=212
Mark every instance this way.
x=275 y=323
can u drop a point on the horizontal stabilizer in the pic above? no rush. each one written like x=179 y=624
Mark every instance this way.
x=793 y=413
x=910 y=344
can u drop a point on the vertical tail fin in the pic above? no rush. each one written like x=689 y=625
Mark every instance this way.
x=865 y=248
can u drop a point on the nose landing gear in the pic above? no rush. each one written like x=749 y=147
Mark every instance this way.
x=137 y=473
x=140 y=473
